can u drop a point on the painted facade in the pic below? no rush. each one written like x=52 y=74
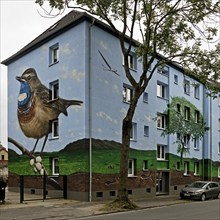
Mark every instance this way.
x=73 y=59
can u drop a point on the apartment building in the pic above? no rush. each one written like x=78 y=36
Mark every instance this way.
x=70 y=58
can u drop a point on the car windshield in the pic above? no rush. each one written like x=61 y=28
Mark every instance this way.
x=197 y=185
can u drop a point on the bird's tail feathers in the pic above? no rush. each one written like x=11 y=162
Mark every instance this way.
x=67 y=103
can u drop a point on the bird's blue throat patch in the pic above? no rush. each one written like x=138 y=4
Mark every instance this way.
x=24 y=94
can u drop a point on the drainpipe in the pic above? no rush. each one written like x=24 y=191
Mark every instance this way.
x=210 y=138
x=203 y=141
x=90 y=110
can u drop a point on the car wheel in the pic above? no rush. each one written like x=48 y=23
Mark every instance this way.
x=203 y=197
x=218 y=196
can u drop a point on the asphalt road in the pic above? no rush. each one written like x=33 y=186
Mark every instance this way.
x=207 y=210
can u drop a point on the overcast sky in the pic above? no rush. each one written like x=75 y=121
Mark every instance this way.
x=20 y=24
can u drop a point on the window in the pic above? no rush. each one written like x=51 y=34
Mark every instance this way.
x=145 y=165
x=127 y=93
x=186 y=141
x=146 y=131
x=196 y=91
x=197 y=116
x=218 y=100
x=218 y=148
x=145 y=97
x=54 y=127
x=3 y=157
x=132 y=61
x=160 y=152
x=177 y=165
x=54 y=54
x=219 y=124
x=196 y=143
x=196 y=168
x=187 y=113
x=55 y=166
x=161 y=121
x=178 y=108
x=186 y=87
x=163 y=70
x=175 y=79
x=186 y=168
x=162 y=90
x=133 y=133
x=54 y=90
x=131 y=167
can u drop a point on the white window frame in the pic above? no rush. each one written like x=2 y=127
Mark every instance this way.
x=196 y=168
x=161 y=152
x=219 y=148
x=196 y=143
x=186 y=141
x=186 y=113
x=127 y=93
x=186 y=168
x=132 y=61
x=131 y=164
x=146 y=131
x=145 y=97
x=133 y=133
x=145 y=165
x=55 y=166
x=162 y=90
x=54 y=88
x=187 y=87
x=54 y=54
x=54 y=129
x=161 y=121
x=218 y=171
x=197 y=91
x=197 y=116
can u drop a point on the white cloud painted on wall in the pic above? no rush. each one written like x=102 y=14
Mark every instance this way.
x=115 y=89
x=72 y=74
x=66 y=49
x=123 y=111
x=103 y=45
x=147 y=118
x=106 y=117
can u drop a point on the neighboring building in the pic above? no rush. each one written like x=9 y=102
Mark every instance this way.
x=85 y=146
x=3 y=163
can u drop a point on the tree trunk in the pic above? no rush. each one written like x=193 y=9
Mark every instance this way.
x=123 y=175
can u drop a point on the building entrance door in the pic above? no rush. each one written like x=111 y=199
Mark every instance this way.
x=162 y=182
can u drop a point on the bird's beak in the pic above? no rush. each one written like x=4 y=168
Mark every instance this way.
x=20 y=79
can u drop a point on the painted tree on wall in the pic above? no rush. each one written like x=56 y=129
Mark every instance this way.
x=186 y=122
x=175 y=29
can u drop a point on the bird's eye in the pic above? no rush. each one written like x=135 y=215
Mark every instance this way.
x=28 y=77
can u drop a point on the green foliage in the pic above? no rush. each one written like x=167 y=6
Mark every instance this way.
x=178 y=123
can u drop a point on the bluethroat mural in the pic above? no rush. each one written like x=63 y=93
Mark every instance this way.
x=36 y=109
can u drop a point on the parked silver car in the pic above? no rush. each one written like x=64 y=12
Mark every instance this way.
x=201 y=190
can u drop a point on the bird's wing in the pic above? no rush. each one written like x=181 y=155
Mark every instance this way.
x=105 y=60
x=42 y=93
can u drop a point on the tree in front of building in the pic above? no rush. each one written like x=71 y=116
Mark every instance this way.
x=174 y=29
x=186 y=122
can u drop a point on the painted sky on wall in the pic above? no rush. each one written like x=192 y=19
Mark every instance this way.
x=20 y=22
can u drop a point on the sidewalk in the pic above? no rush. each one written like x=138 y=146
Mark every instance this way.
x=57 y=208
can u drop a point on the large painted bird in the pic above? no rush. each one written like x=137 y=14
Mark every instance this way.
x=35 y=108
